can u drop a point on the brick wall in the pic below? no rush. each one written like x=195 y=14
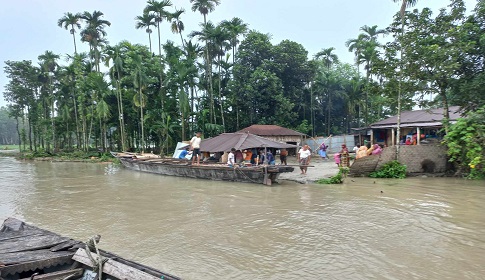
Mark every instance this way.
x=418 y=159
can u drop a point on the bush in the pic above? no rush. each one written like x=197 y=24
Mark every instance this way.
x=465 y=141
x=392 y=169
x=337 y=179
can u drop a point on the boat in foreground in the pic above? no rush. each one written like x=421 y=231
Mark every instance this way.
x=29 y=252
x=262 y=174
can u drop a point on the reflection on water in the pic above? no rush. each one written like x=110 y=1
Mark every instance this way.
x=426 y=228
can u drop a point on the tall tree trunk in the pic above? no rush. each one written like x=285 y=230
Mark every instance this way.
x=181 y=38
x=162 y=97
x=328 y=113
x=209 y=80
x=220 y=95
x=18 y=132
x=76 y=119
x=150 y=42
x=446 y=110
x=73 y=38
x=141 y=121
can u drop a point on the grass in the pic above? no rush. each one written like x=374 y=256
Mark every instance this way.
x=9 y=147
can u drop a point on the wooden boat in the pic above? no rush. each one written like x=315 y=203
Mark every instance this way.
x=28 y=252
x=262 y=174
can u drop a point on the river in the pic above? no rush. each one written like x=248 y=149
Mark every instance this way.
x=418 y=228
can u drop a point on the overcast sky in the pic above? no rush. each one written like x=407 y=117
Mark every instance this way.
x=29 y=27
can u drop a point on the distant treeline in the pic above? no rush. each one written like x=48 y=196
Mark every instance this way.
x=224 y=77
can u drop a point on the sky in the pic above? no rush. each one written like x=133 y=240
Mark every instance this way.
x=29 y=27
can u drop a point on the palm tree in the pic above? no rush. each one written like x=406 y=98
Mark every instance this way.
x=371 y=33
x=205 y=7
x=327 y=56
x=94 y=32
x=177 y=24
x=48 y=63
x=70 y=20
x=206 y=35
x=236 y=27
x=146 y=21
x=139 y=99
x=113 y=54
x=157 y=9
x=221 y=38
x=404 y=5
x=367 y=57
x=192 y=52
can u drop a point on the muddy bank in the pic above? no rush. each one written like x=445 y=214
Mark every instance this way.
x=320 y=169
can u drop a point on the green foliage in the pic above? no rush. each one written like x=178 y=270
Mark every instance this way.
x=392 y=169
x=337 y=179
x=223 y=78
x=466 y=142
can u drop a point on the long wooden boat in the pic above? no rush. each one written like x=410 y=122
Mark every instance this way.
x=28 y=252
x=262 y=174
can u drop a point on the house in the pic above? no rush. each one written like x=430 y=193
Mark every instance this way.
x=427 y=123
x=276 y=133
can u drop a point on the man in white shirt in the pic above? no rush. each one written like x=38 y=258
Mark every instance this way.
x=230 y=158
x=195 y=145
x=304 y=155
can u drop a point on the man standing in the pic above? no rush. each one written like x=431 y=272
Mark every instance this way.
x=230 y=158
x=195 y=144
x=303 y=157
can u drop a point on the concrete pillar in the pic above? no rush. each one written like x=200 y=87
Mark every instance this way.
x=418 y=137
x=371 y=136
x=393 y=137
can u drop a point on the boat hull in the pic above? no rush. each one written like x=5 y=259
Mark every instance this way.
x=260 y=175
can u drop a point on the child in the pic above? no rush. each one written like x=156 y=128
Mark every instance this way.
x=336 y=157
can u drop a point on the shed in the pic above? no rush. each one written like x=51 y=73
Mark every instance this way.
x=276 y=133
x=427 y=123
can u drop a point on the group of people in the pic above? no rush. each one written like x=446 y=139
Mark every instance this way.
x=257 y=157
x=250 y=156
x=367 y=150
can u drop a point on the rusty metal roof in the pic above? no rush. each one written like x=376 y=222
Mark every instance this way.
x=421 y=118
x=270 y=130
x=240 y=141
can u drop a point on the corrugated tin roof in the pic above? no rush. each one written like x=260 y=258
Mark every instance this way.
x=420 y=118
x=240 y=141
x=270 y=130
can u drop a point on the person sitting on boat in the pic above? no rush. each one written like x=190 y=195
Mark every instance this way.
x=184 y=153
x=261 y=157
x=254 y=157
x=270 y=157
x=195 y=144
x=231 y=158
x=283 y=156
x=239 y=156
x=249 y=156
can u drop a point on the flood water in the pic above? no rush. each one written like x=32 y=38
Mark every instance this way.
x=422 y=228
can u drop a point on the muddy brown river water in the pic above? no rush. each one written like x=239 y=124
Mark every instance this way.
x=420 y=228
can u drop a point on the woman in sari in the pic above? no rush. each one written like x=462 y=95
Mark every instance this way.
x=344 y=156
x=362 y=152
x=377 y=150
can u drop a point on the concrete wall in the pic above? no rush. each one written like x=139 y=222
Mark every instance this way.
x=417 y=158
